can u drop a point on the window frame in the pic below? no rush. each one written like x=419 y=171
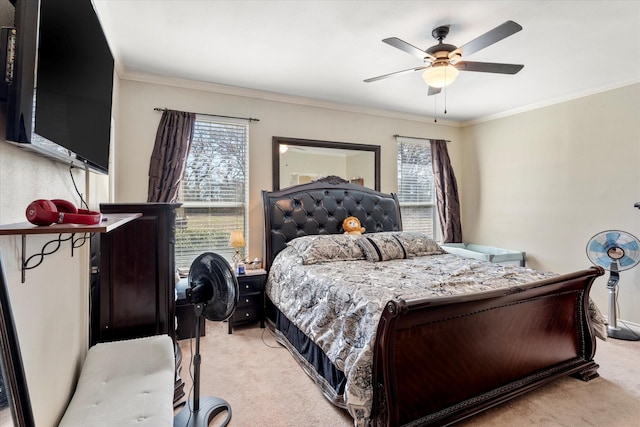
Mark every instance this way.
x=435 y=229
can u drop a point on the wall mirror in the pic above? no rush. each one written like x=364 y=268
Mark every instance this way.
x=15 y=406
x=299 y=161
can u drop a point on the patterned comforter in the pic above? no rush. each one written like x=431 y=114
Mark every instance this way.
x=335 y=288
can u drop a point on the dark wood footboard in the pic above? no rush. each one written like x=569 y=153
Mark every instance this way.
x=438 y=361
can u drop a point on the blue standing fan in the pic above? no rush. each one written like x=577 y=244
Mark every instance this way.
x=616 y=251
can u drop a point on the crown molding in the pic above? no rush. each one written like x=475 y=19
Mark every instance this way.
x=274 y=96
x=550 y=102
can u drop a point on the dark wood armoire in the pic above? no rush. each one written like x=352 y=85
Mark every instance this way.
x=134 y=295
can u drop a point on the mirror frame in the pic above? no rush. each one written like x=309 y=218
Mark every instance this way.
x=275 y=154
x=13 y=376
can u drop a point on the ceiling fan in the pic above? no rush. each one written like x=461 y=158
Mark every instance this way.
x=444 y=61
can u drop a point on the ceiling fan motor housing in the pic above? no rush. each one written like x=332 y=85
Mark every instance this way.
x=441 y=50
x=440 y=33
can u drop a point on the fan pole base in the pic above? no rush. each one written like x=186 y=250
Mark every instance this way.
x=622 y=334
x=209 y=408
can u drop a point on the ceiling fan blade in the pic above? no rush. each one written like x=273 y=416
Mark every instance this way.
x=409 y=48
x=397 y=73
x=433 y=91
x=487 y=39
x=488 y=67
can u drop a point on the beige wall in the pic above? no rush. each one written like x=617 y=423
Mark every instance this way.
x=547 y=180
x=51 y=307
x=139 y=122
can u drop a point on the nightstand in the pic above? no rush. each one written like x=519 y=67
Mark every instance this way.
x=250 y=306
x=185 y=314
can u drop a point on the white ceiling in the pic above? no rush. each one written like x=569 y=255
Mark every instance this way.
x=323 y=50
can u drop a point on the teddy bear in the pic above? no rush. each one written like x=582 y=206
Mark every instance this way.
x=351 y=225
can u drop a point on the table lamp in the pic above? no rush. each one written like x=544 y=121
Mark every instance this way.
x=236 y=240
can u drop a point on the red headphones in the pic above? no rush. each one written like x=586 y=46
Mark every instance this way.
x=58 y=211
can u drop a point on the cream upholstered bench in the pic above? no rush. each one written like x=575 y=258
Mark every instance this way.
x=128 y=382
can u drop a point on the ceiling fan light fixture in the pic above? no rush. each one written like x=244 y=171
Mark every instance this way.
x=440 y=75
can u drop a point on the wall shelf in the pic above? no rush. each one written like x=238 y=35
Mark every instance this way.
x=109 y=223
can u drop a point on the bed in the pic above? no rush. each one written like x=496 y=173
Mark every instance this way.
x=350 y=311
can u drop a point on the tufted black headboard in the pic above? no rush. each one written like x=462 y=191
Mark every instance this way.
x=320 y=208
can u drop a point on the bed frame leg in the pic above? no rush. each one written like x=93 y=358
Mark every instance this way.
x=379 y=418
x=588 y=372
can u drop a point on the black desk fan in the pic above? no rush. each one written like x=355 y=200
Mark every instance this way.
x=616 y=251
x=213 y=291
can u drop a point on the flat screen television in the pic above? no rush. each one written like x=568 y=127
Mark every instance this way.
x=60 y=84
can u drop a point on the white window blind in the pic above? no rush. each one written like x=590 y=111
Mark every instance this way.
x=415 y=185
x=214 y=191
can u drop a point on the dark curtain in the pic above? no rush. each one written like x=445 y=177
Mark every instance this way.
x=169 y=156
x=446 y=193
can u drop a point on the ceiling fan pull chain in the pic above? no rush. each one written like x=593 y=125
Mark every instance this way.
x=435 y=109
x=445 y=92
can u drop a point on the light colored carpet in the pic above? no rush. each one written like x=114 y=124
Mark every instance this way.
x=266 y=387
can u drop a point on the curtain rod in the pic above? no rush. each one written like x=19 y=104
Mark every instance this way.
x=416 y=137
x=251 y=119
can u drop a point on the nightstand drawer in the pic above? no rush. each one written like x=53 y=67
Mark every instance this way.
x=246 y=314
x=248 y=284
x=247 y=300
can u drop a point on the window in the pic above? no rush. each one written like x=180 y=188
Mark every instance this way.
x=415 y=186
x=213 y=193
